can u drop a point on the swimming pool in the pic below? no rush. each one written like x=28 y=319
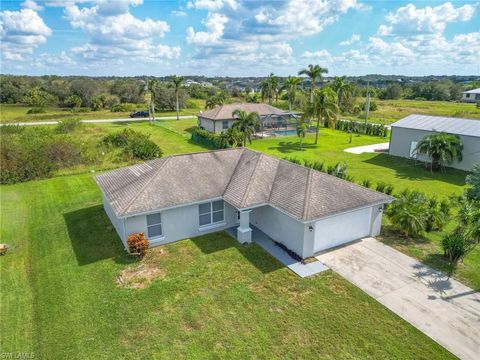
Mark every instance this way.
x=285 y=132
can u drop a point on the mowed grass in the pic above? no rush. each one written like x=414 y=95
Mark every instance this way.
x=390 y=111
x=18 y=112
x=401 y=173
x=216 y=299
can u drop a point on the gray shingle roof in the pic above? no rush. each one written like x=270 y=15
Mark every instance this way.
x=242 y=177
x=469 y=127
x=224 y=112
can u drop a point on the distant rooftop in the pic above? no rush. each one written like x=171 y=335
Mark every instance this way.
x=474 y=91
x=224 y=112
x=457 y=126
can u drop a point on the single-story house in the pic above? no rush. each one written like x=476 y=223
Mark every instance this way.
x=184 y=196
x=221 y=118
x=471 y=96
x=407 y=132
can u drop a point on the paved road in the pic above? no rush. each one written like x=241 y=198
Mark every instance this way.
x=442 y=308
x=54 y=122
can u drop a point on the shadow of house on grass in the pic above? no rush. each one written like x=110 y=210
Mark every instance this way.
x=287 y=147
x=216 y=243
x=416 y=170
x=93 y=237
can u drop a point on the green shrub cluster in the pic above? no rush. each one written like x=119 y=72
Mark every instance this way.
x=35 y=153
x=36 y=110
x=413 y=213
x=360 y=127
x=135 y=144
x=338 y=170
x=204 y=137
x=123 y=107
x=68 y=125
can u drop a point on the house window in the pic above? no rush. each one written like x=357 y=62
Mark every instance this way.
x=224 y=124
x=467 y=95
x=154 y=225
x=211 y=213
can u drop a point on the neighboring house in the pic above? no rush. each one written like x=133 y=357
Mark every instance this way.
x=184 y=196
x=221 y=118
x=407 y=132
x=471 y=95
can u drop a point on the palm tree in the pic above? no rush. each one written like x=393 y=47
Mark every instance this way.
x=408 y=213
x=245 y=123
x=301 y=132
x=324 y=107
x=344 y=90
x=441 y=148
x=176 y=83
x=269 y=88
x=291 y=86
x=150 y=90
x=314 y=73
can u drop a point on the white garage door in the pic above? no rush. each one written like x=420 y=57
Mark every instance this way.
x=340 y=229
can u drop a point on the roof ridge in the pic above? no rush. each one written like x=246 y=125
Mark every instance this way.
x=274 y=178
x=306 y=206
x=249 y=185
x=167 y=159
x=234 y=171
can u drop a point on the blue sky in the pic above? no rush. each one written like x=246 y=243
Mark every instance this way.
x=239 y=38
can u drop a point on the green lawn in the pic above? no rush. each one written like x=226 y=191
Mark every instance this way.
x=401 y=173
x=18 y=113
x=214 y=298
x=390 y=111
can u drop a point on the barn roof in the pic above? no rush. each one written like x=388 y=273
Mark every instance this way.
x=457 y=126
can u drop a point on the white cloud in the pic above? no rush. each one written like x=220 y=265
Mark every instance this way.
x=212 y=5
x=178 y=13
x=318 y=55
x=114 y=32
x=353 y=39
x=215 y=25
x=21 y=32
x=30 y=4
x=408 y=20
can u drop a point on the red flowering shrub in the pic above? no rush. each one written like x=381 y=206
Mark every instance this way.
x=138 y=243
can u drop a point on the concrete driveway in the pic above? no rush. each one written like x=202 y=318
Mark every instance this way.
x=442 y=308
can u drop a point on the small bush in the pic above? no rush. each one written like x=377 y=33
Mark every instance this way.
x=64 y=152
x=36 y=110
x=125 y=107
x=388 y=189
x=454 y=247
x=381 y=186
x=135 y=144
x=366 y=183
x=138 y=243
x=66 y=126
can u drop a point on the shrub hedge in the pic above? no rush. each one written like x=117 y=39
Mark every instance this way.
x=135 y=144
x=204 y=137
x=361 y=128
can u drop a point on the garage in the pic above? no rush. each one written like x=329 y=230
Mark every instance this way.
x=343 y=228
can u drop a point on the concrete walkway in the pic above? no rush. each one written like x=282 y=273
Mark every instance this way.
x=262 y=239
x=368 y=148
x=442 y=308
x=55 y=122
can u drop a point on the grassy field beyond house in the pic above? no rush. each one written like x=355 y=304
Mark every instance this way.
x=18 y=112
x=390 y=111
x=212 y=298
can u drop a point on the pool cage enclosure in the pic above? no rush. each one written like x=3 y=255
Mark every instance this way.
x=274 y=124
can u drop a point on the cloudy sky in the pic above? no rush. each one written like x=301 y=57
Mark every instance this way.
x=239 y=38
